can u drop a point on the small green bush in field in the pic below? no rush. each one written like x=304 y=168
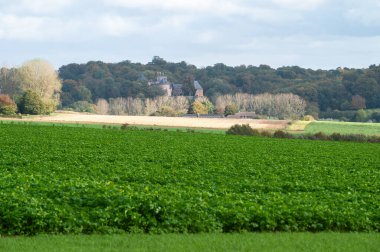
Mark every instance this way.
x=244 y=130
x=281 y=134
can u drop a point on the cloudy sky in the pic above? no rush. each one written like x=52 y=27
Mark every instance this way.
x=316 y=34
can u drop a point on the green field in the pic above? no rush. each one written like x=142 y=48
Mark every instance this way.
x=84 y=180
x=344 y=242
x=329 y=127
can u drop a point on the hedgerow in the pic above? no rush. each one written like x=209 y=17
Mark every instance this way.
x=246 y=130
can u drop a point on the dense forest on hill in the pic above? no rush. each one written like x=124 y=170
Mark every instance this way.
x=129 y=88
x=324 y=90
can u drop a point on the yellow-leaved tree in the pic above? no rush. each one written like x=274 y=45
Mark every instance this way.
x=40 y=77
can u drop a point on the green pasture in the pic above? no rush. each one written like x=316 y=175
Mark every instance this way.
x=329 y=127
x=345 y=242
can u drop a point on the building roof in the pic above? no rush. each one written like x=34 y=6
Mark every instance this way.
x=197 y=86
x=177 y=86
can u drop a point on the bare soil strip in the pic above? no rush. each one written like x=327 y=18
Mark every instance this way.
x=209 y=123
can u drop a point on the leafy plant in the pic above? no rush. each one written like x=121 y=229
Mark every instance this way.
x=73 y=180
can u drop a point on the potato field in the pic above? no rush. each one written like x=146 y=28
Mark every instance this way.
x=68 y=180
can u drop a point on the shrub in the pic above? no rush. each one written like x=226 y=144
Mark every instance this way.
x=321 y=136
x=336 y=136
x=127 y=126
x=281 y=134
x=83 y=106
x=31 y=103
x=340 y=115
x=308 y=118
x=244 y=129
x=375 y=117
x=166 y=111
x=265 y=133
x=361 y=116
x=230 y=110
x=7 y=105
x=197 y=107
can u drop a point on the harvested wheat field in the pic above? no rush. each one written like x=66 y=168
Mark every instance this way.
x=208 y=123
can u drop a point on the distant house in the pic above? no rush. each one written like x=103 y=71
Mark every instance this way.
x=173 y=89
x=198 y=89
x=177 y=89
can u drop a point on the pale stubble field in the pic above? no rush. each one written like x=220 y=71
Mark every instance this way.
x=208 y=123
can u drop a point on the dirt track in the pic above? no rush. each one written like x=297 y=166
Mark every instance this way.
x=211 y=123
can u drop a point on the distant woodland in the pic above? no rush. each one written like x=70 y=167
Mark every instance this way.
x=325 y=91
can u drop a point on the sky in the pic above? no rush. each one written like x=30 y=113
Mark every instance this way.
x=317 y=34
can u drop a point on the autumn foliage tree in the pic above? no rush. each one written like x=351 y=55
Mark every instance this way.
x=39 y=77
x=7 y=105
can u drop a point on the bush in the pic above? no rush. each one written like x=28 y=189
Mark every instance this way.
x=166 y=111
x=83 y=106
x=336 y=136
x=281 y=134
x=308 y=118
x=244 y=130
x=375 y=117
x=197 y=107
x=321 y=136
x=348 y=115
x=361 y=116
x=230 y=110
x=127 y=126
x=265 y=133
x=7 y=105
x=31 y=103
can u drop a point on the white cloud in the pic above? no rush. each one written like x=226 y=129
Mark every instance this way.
x=299 y=4
x=206 y=37
x=176 y=22
x=118 y=26
x=43 y=28
x=23 y=28
x=221 y=7
x=38 y=6
x=368 y=13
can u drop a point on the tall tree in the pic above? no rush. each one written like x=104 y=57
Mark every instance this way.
x=40 y=77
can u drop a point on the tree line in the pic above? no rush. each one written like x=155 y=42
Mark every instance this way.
x=282 y=106
x=33 y=88
x=325 y=91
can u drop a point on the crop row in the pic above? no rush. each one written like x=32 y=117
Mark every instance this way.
x=81 y=180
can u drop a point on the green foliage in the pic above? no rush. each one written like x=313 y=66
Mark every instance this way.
x=32 y=104
x=86 y=180
x=198 y=107
x=375 y=117
x=324 y=90
x=281 y=134
x=230 y=110
x=7 y=105
x=361 y=116
x=210 y=107
x=166 y=111
x=83 y=106
x=348 y=115
x=243 y=129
